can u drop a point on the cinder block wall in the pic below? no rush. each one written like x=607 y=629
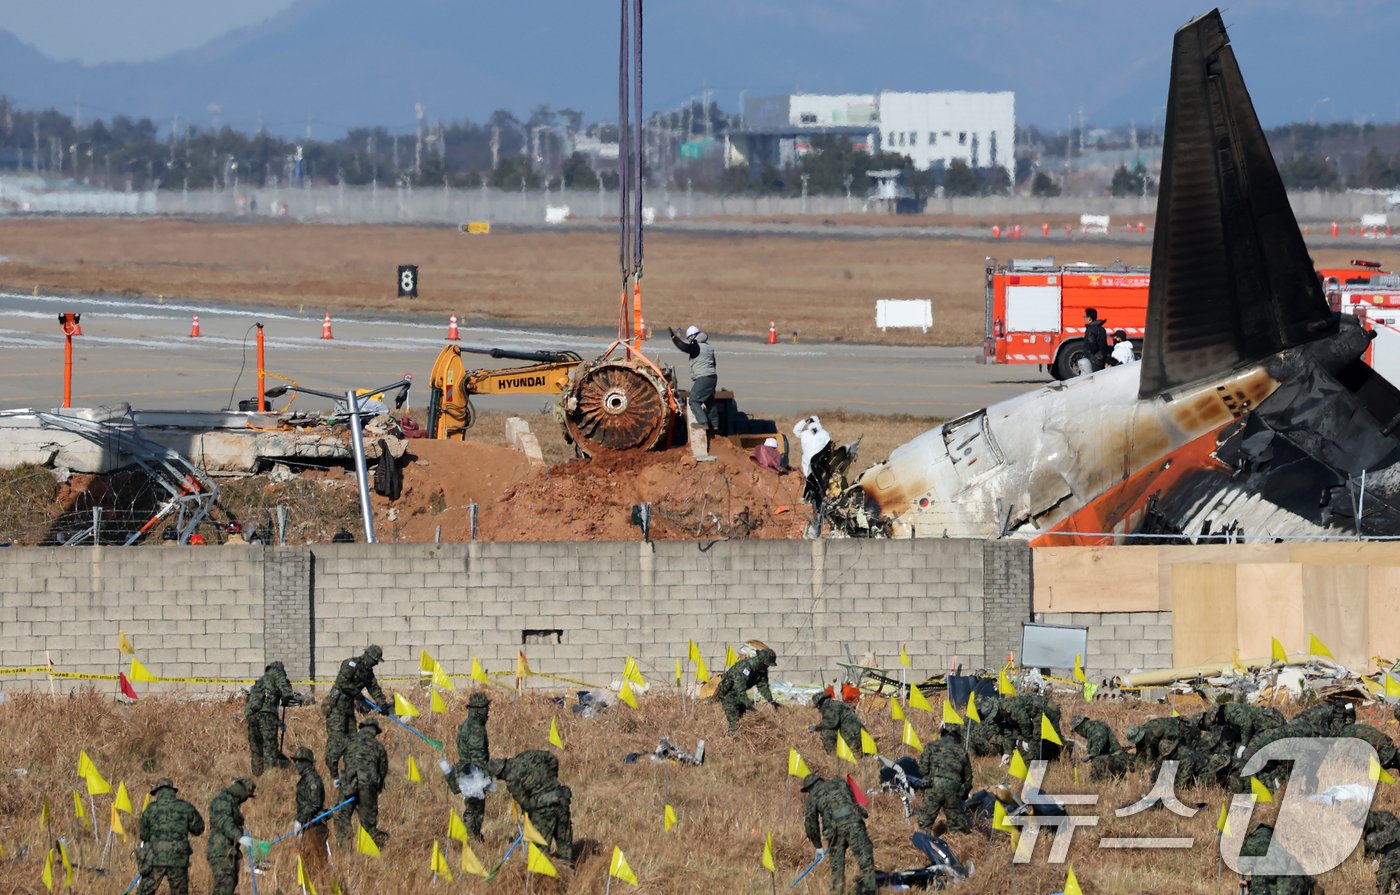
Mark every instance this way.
x=577 y=609
x=1120 y=642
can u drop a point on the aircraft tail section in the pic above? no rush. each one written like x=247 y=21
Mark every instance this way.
x=1232 y=282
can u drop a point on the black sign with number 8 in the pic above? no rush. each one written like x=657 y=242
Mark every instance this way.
x=408 y=280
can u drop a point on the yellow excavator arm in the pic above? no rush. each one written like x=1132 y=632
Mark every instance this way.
x=450 y=412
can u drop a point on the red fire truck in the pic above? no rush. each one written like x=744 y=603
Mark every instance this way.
x=1035 y=308
x=1377 y=303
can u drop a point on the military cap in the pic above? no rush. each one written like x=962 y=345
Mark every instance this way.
x=1078 y=720
x=373 y=653
x=303 y=754
x=769 y=657
x=249 y=787
x=370 y=722
x=479 y=700
x=163 y=783
x=278 y=665
x=810 y=781
x=820 y=696
x=496 y=767
x=1134 y=734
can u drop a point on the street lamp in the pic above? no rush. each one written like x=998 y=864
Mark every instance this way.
x=1312 y=118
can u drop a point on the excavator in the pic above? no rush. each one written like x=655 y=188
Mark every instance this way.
x=623 y=400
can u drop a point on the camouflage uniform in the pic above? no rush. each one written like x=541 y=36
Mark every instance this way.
x=532 y=778
x=355 y=676
x=947 y=781
x=1276 y=772
x=366 y=771
x=1018 y=718
x=1250 y=719
x=311 y=801
x=832 y=809
x=1384 y=745
x=1158 y=739
x=1382 y=832
x=1105 y=756
x=473 y=748
x=837 y=718
x=1256 y=845
x=225 y=829
x=740 y=677
x=1324 y=719
x=270 y=693
x=984 y=737
x=166 y=827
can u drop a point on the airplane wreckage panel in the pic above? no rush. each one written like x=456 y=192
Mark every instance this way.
x=1250 y=416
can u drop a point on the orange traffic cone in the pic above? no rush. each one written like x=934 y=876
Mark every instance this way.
x=78 y=326
x=194 y=328
x=1044 y=229
x=326 y=327
x=772 y=332
x=452 y=334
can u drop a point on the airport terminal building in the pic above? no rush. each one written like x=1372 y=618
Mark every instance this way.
x=932 y=129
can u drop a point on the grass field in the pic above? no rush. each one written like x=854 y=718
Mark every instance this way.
x=724 y=808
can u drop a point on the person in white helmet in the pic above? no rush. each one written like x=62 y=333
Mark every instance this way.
x=704 y=374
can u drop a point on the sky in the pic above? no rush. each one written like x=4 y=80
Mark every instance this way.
x=94 y=31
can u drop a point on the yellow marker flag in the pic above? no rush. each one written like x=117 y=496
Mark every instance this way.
x=730 y=657
x=85 y=765
x=403 y=708
x=1048 y=732
x=867 y=742
x=904 y=657
x=437 y=705
x=139 y=674
x=1378 y=773
x=441 y=679
x=911 y=738
x=678 y=673
x=1079 y=670
x=1004 y=685
x=455 y=828
x=1277 y=652
x=1175 y=713
x=1236 y=664
x=426 y=663
x=668 y=819
x=768 y=853
x=972 y=712
x=694 y=653
x=145 y=803
x=702 y=674
x=522 y=666
x=304 y=879
x=364 y=843
x=1222 y=823
x=999 y=823
x=123 y=801
x=44 y=814
x=1071 y=883
x=896 y=711
x=67 y=865
x=78 y=810
x=950 y=714
x=116 y=823
x=632 y=673
x=1017 y=768
x=1317 y=649
x=47 y=875
x=532 y=834
x=471 y=863
x=626 y=695
x=842 y=751
x=96 y=785
x=413 y=775
x=124 y=645
x=1392 y=686
x=438 y=863
x=917 y=700
x=618 y=867
x=796 y=766
x=554 y=739
x=536 y=862
x=1259 y=790
x=1371 y=686
x=479 y=673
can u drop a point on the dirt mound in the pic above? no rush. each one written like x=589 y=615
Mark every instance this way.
x=592 y=500
x=441 y=480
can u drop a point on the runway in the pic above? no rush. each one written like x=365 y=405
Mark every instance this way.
x=139 y=351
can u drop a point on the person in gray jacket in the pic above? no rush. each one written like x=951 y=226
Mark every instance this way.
x=703 y=377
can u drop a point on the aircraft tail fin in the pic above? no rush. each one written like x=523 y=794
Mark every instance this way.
x=1232 y=281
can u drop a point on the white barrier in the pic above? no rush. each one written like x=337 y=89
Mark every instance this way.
x=1093 y=223
x=904 y=313
x=556 y=214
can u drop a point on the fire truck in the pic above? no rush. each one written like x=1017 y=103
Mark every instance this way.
x=1035 y=308
x=1377 y=303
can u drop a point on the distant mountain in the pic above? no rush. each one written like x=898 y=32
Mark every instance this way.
x=349 y=63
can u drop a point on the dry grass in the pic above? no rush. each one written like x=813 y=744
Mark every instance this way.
x=28 y=503
x=724 y=808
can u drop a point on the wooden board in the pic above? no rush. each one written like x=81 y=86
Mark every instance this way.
x=1269 y=604
x=1095 y=579
x=1383 y=605
x=1336 y=609
x=1204 y=619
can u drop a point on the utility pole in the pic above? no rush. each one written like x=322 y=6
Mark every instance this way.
x=495 y=146
x=418 y=147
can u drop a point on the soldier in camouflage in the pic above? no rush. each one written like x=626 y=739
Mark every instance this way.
x=947 y=776
x=227 y=834
x=473 y=750
x=1384 y=745
x=1250 y=719
x=1018 y=718
x=354 y=678
x=1158 y=739
x=832 y=810
x=741 y=677
x=265 y=697
x=1382 y=838
x=837 y=718
x=311 y=801
x=984 y=737
x=1325 y=719
x=532 y=778
x=366 y=771
x=1256 y=845
x=166 y=827
x=1106 y=757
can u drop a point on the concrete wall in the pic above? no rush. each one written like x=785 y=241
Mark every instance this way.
x=577 y=609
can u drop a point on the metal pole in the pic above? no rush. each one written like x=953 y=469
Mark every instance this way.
x=96 y=526
x=473 y=519
x=361 y=471
x=281 y=525
x=67 y=368
x=262 y=396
